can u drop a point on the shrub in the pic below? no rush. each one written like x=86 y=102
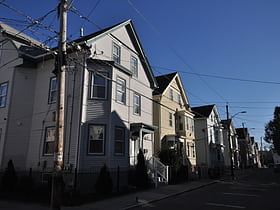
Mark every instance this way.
x=173 y=159
x=9 y=179
x=104 y=183
x=142 y=179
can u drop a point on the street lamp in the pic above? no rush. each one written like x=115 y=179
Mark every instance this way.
x=229 y=142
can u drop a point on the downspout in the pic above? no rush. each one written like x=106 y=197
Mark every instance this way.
x=80 y=120
x=71 y=116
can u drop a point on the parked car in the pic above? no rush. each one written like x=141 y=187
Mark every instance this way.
x=277 y=167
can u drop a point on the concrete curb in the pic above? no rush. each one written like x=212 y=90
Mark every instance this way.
x=170 y=195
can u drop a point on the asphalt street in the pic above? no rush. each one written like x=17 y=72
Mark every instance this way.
x=259 y=190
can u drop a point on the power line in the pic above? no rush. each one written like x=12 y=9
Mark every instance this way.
x=222 y=77
x=173 y=50
x=33 y=21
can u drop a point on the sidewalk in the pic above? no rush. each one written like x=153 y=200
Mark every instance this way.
x=152 y=195
x=129 y=201
x=144 y=197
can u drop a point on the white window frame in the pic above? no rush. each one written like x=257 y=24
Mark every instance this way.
x=187 y=123
x=137 y=104
x=50 y=133
x=134 y=66
x=53 y=90
x=170 y=119
x=179 y=99
x=96 y=134
x=188 y=149
x=121 y=90
x=193 y=150
x=171 y=94
x=93 y=86
x=116 y=53
x=3 y=94
x=120 y=141
x=1 y=46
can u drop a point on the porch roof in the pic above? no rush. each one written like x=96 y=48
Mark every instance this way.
x=138 y=126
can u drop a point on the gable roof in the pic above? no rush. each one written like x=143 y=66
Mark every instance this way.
x=135 y=40
x=26 y=46
x=241 y=133
x=163 y=82
x=203 y=111
x=34 y=49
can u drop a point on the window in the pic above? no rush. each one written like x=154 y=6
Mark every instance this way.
x=192 y=124
x=98 y=85
x=121 y=90
x=211 y=135
x=119 y=140
x=53 y=90
x=134 y=66
x=179 y=99
x=188 y=149
x=96 y=139
x=137 y=104
x=193 y=150
x=171 y=97
x=116 y=53
x=181 y=122
x=1 y=46
x=3 y=94
x=49 y=141
x=187 y=123
x=170 y=119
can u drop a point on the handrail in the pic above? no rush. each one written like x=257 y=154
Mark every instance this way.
x=158 y=169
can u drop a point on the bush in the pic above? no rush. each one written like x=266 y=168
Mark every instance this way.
x=142 y=179
x=9 y=179
x=104 y=183
x=173 y=159
x=25 y=185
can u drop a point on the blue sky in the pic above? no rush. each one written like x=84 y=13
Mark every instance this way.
x=229 y=38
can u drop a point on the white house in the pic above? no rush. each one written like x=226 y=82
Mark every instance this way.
x=108 y=104
x=230 y=141
x=209 y=138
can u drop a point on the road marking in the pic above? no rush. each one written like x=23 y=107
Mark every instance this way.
x=225 y=205
x=241 y=194
x=247 y=188
x=144 y=203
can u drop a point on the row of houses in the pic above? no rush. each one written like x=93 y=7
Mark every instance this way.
x=114 y=106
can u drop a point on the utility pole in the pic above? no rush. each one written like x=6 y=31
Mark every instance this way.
x=57 y=180
x=61 y=66
x=229 y=143
x=261 y=153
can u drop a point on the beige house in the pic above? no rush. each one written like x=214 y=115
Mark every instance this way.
x=174 y=118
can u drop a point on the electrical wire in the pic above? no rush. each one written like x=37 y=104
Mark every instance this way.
x=173 y=50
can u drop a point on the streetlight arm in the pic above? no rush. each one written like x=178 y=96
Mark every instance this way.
x=242 y=112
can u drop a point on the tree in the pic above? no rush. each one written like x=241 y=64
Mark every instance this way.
x=142 y=179
x=272 y=130
x=173 y=158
